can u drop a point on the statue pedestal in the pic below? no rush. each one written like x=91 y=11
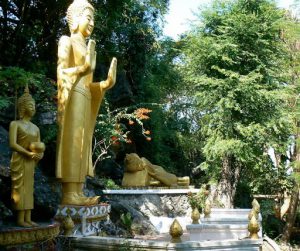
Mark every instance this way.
x=14 y=235
x=86 y=218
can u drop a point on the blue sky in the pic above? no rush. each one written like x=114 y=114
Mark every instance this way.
x=180 y=12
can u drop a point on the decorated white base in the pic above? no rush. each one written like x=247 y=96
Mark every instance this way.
x=86 y=218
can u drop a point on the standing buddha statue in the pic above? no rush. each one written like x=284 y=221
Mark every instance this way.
x=24 y=140
x=79 y=100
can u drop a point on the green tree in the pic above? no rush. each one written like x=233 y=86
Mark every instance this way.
x=291 y=37
x=29 y=33
x=171 y=121
x=127 y=29
x=233 y=62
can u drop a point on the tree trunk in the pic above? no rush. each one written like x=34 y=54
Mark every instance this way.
x=226 y=188
x=290 y=221
x=295 y=194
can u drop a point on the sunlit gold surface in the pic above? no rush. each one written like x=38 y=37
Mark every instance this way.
x=195 y=216
x=68 y=225
x=141 y=172
x=256 y=205
x=79 y=100
x=255 y=210
x=24 y=140
x=17 y=236
x=207 y=208
x=253 y=228
x=176 y=231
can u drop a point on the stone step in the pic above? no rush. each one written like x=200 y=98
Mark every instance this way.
x=110 y=243
x=208 y=232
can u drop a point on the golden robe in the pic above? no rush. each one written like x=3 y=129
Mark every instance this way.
x=22 y=172
x=78 y=105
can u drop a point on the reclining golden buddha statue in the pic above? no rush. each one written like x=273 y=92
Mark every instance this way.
x=140 y=172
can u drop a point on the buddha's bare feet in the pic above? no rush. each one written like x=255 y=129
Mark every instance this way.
x=183 y=181
x=24 y=224
x=32 y=223
x=79 y=199
x=94 y=200
x=91 y=200
x=74 y=199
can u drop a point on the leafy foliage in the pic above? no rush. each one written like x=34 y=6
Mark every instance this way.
x=271 y=225
x=29 y=32
x=12 y=83
x=233 y=62
x=198 y=200
x=111 y=131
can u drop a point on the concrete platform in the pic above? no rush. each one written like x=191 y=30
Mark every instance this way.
x=110 y=243
x=144 y=191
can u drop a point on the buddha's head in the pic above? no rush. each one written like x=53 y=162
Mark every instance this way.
x=26 y=104
x=133 y=163
x=80 y=16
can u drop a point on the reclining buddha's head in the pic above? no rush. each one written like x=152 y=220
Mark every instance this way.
x=133 y=163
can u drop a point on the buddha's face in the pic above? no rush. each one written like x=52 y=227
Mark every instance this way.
x=86 y=22
x=30 y=108
x=132 y=157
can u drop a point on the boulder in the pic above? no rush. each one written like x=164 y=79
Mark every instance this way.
x=47 y=196
x=141 y=224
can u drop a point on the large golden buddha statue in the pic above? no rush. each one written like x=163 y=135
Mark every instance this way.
x=140 y=172
x=79 y=100
x=24 y=140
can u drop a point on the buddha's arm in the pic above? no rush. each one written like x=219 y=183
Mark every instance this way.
x=111 y=76
x=149 y=167
x=39 y=156
x=64 y=52
x=13 y=130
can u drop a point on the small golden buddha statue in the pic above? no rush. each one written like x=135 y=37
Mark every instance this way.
x=79 y=100
x=24 y=140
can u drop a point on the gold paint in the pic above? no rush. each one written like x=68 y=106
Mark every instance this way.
x=176 y=231
x=79 y=219
x=68 y=225
x=195 y=215
x=255 y=210
x=207 y=208
x=79 y=100
x=17 y=236
x=256 y=205
x=24 y=140
x=253 y=228
x=140 y=172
